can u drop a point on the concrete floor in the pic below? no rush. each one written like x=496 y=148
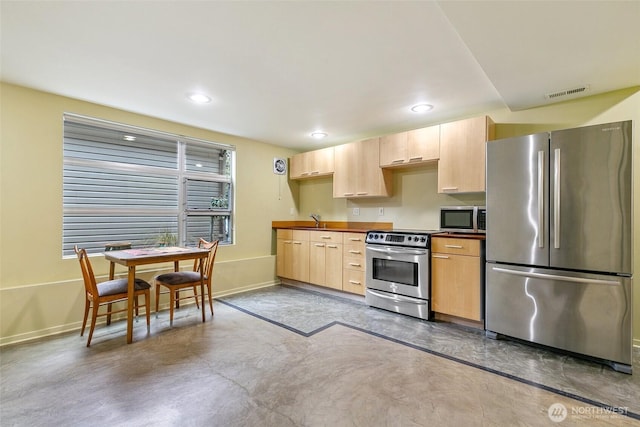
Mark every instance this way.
x=285 y=356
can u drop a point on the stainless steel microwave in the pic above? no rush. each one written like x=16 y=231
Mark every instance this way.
x=463 y=219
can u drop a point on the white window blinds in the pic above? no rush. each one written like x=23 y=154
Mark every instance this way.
x=127 y=184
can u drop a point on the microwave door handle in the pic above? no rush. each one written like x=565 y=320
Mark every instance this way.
x=541 y=199
x=556 y=199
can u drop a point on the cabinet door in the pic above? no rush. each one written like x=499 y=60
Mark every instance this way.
x=321 y=162
x=284 y=258
x=298 y=166
x=317 y=263
x=393 y=149
x=372 y=181
x=423 y=145
x=455 y=281
x=346 y=165
x=300 y=260
x=461 y=168
x=333 y=265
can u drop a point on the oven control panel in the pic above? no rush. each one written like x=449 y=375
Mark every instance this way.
x=410 y=239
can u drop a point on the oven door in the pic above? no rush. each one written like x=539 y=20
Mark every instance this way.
x=403 y=271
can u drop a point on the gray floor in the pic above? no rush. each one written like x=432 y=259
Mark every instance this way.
x=285 y=356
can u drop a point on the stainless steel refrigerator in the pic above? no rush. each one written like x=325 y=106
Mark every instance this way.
x=559 y=240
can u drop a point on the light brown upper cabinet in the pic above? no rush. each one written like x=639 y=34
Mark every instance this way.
x=358 y=173
x=412 y=148
x=461 y=168
x=312 y=164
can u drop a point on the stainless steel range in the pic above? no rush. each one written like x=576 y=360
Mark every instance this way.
x=397 y=271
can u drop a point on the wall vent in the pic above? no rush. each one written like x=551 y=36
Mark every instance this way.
x=567 y=92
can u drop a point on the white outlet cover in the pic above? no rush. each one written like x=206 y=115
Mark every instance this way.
x=356 y=211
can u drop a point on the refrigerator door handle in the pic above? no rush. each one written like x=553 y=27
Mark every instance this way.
x=541 y=198
x=557 y=277
x=556 y=200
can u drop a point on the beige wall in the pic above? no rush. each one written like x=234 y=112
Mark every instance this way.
x=415 y=201
x=40 y=292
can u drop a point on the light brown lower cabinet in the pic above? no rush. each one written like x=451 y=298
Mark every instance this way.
x=333 y=259
x=353 y=275
x=325 y=259
x=292 y=259
x=456 y=277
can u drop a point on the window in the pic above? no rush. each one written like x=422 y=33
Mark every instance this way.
x=123 y=183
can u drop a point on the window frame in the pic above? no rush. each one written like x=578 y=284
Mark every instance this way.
x=182 y=173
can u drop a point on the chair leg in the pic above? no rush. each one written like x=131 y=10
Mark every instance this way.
x=87 y=303
x=157 y=298
x=210 y=298
x=109 y=314
x=195 y=293
x=135 y=306
x=147 y=305
x=172 y=303
x=94 y=316
x=136 y=302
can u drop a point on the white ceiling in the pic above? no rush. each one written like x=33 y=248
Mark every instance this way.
x=279 y=70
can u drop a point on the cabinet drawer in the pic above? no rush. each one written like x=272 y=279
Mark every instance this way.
x=354 y=251
x=354 y=238
x=448 y=245
x=325 y=236
x=300 y=235
x=351 y=263
x=284 y=233
x=353 y=281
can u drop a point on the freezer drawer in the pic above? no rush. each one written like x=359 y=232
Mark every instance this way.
x=583 y=313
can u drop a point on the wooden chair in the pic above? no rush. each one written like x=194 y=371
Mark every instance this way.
x=188 y=280
x=106 y=293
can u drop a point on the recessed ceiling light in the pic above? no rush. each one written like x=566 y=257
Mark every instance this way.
x=199 y=98
x=319 y=135
x=421 y=108
x=129 y=138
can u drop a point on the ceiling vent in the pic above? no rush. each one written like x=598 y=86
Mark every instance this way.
x=567 y=92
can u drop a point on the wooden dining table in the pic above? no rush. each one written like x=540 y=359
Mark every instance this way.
x=131 y=258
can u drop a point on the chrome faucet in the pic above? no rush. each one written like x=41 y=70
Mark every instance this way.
x=316 y=218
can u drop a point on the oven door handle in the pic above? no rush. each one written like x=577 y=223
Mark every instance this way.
x=398 y=251
x=398 y=298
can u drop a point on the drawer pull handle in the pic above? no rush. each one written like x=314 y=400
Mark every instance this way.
x=453 y=246
x=355 y=239
x=355 y=282
x=297 y=243
x=452 y=189
x=319 y=245
x=348 y=194
x=441 y=256
x=355 y=252
x=398 y=161
x=332 y=246
x=415 y=159
x=353 y=264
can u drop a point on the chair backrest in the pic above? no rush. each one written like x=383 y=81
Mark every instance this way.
x=87 y=272
x=208 y=262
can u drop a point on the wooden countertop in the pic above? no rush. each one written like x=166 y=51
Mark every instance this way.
x=343 y=226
